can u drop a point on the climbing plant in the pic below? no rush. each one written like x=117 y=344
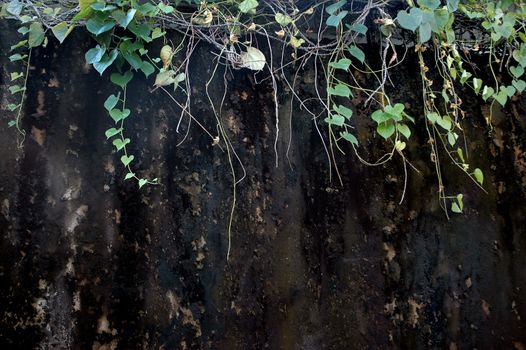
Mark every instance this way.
x=329 y=34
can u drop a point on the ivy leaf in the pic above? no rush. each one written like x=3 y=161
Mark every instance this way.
x=129 y=176
x=349 y=137
x=282 y=19
x=501 y=97
x=248 y=6
x=120 y=143
x=517 y=72
x=411 y=20
x=452 y=5
x=331 y=9
x=380 y=116
x=342 y=110
x=445 y=122
x=61 y=31
x=140 y=30
x=94 y=54
x=339 y=90
x=487 y=92
x=343 y=64
x=105 y=61
x=477 y=84
x=335 y=119
x=452 y=138
x=118 y=115
x=121 y=79
x=358 y=28
x=424 y=31
x=126 y=160
x=147 y=68
x=36 y=34
x=404 y=130
x=142 y=182
x=356 y=52
x=386 y=130
x=479 y=176
x=112 y=132
x=124 y=18
x=455 y=208
x=15 y=7
x=430 y=4
x=111 y=102
x=520 y=85
x=334 y=20
x=98 y=25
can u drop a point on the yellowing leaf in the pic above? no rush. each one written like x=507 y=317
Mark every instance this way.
x=253 y=59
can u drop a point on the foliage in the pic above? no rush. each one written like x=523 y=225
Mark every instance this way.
x=123 y=29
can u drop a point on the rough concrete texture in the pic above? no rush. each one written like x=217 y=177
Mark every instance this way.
x=89 y=261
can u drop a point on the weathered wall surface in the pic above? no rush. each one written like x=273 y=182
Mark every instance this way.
x=88 y=261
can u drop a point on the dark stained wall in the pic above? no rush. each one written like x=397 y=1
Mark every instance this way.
x=89 y=261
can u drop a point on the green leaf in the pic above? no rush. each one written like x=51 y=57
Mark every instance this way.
x=358 y=28
x=105 y=61
x=157 y=33
x=335 y=119
x=445 y=122
x=16 y=57
x=94 y=54
x=479 y=176
x=452 y=138
x=142 y=182
x=459 y=201
x=517 y=72
x=99 y=24
x=520 y=85
x=356 y=52
x=331 y=9
x=424 y=32
x=411 y=20
x=19 y=44
x=455 y=208
x=339 y=90
x=380 y=116
x=464 y=77
x=430 y=4
x=510 y=90
x=124 y=18
x=282 y=19
x=248 y=6
x=36 y=34
x=14 y=7
x=11 y=107
x=129 y=176
x=386 y=130
x=477 y=84
x=395 y=111
x=344 y=111
x=140 y=30
x=343 y=64
x=349 y=137
x=404 y=130
x=111 y=132
x=121 y=79
x=487 y=92
x=126 y=160
x=452 y=5
x=133 y=59
x=501 y=97
x=111 y=102
x=16 y=89
x=118 y=115
x=460 y=154
x=119 y=143
x=61 y=31
x=441 y=19
x=335 y=20
x=147 y=68
x=165 y=8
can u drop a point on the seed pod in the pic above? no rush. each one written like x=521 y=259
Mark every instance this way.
x=166 y=55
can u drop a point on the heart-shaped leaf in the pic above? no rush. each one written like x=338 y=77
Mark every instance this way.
x=349 y=137
x=142 y=182
x=501 y=97
x=129 y=176
x=411 y=20
x=342 y=64
x=335 y=119
x=112 y=132
x=118 y=115
x=400 y=145
x=520 y=85
x=339 y=90
x=124 y=18
x=424 y=32
x=121 y=79
x=510 y=90
x=386 y=130
x=61 y=31
x=111 y=102
x=119 y=143
x=94 y=54
x=487 y=92
x=126 y=160
x=105 y=61
x=479 y=176
x=517 y=71
x=404 y=130
x=357 y=53
x=445 y=122
x=98 y=25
